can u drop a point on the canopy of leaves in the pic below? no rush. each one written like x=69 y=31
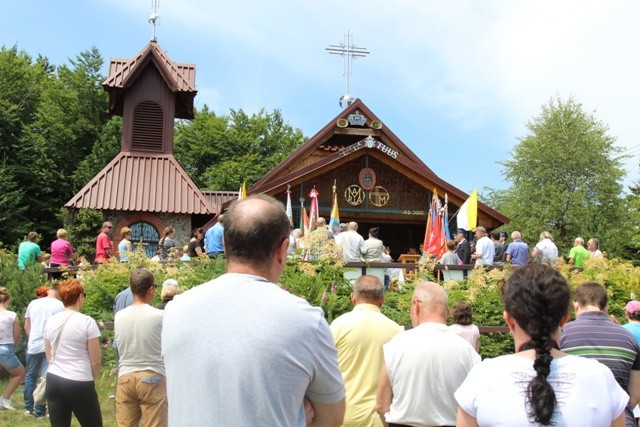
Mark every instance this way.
x=566 y=178
x=56 y=135
x=222 y=152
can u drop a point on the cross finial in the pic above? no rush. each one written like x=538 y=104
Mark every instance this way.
x=153 y=18
x=348 y=51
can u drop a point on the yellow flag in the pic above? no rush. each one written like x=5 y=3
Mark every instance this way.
x=467 y=218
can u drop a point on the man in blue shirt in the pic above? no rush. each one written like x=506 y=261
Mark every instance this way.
x=518 y=251
x=213 y=238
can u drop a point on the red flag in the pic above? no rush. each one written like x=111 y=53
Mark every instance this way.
x=313 y=214
x=305 y=222
x=434 y=236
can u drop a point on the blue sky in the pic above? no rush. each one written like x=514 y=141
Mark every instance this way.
x=455 y=80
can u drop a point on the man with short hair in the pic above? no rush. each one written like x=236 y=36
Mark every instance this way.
x=463 y=248
x=104 y=250
x=141 y=390
x=38 y=312
x=593 y=334
x=342 y=227
x=593 y=246
x=578 y=254
x=29 y=251
x=213 y=238
x=485 y=249
x=545 y=251
x=518 y=251
x=373 y=246
x=500 y=248
x=263 y=356
x=352 y=243
x=359 y=336
x=424 y=366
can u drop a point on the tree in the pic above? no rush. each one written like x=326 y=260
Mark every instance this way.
x=216 y=150
x=68 y=120
x=566 y=178
x=104 y=150
x=12 y=206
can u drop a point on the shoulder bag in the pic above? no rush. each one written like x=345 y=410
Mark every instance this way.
x=39 y=394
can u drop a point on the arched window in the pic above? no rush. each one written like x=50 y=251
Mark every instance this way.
x=145 y=234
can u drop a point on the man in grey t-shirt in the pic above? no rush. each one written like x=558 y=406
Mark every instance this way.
x=241 y=351
x=142 y=387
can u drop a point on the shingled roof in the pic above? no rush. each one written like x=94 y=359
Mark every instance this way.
x=180 y=78
x=141 y=182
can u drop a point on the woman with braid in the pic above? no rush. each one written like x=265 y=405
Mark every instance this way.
x=539 y=385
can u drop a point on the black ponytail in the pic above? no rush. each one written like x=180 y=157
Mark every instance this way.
x=537 y=296
x=540 y=396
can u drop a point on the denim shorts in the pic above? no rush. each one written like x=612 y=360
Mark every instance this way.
x=8 y=358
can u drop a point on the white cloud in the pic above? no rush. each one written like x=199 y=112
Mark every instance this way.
x=439 y=71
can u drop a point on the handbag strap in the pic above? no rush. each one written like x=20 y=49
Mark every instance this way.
x=54 y=347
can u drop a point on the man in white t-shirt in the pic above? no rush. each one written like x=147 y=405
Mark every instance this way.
x=142 y=386
x=545 y=251
x=35 y=318
x=485 y=249
x=424 y=366
x=352 y=243
x=240 y=350
x=593 y=246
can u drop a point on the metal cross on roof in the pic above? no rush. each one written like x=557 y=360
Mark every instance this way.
x=348 y=51
x=153 y=18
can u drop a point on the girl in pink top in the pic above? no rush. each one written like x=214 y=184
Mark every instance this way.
x=61 y=252
x=463 y=324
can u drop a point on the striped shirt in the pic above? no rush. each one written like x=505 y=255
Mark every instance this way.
x=594 y=335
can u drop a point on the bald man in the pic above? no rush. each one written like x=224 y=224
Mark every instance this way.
x=263 y=357
x=352 y=243
x=424 y=366
x=359 y=336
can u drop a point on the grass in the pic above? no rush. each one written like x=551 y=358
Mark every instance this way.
x=104 y=385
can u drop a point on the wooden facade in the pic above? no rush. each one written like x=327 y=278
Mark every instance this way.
x=379 y=181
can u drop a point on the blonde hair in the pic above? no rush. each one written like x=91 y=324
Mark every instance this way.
x=124 y=231
x=170 y=289
x=61 y=233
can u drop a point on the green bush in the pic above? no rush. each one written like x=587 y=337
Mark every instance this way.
x=82 y=225
x=321 y=282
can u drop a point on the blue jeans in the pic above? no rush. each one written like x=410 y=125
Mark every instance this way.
x=8 y=359
x=36 y=367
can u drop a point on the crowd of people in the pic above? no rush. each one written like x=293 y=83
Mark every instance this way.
x=274 y=359
x=489 y=249
x=62 y=255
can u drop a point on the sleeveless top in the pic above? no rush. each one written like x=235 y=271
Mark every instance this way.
x=122 y=248
x=164 y=245
x=7 y=318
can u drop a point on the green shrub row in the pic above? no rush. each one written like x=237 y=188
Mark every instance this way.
x=322 y=284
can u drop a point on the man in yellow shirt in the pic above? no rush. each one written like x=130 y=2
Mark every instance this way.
x=359 y=336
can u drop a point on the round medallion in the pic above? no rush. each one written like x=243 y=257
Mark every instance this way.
x=379 y=196
x=367 y=179
x=354 y=195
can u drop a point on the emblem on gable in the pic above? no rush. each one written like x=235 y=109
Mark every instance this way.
x=379 y=196
x=354 y=195
x=367 y=179
x=357 y=119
